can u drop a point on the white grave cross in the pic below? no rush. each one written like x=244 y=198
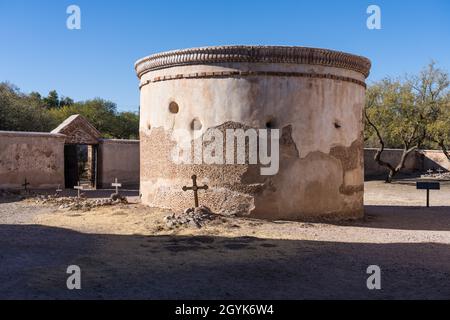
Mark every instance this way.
x=117 y=185
x=79 y=188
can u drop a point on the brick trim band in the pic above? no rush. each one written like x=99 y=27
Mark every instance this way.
x=253 y=54
x=240 y=74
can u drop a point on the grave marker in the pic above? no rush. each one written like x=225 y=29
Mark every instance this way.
x=58 y=190
x=195 y=188
x=25 y=185
x=117 y=185
x=79 y=188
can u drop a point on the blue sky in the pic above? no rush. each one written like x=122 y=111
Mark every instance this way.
x=38 y=52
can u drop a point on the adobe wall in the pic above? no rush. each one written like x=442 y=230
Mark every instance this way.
x=418 y=162
x=118 y=159
x=315 y=98
x=373 y=169
x=38 y=157
x=434 y=159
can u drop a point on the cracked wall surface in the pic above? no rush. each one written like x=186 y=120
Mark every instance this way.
x=321 y=151
x=38 y=157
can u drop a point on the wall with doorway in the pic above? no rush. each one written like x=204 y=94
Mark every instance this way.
x=37 y=157
x=118 y=159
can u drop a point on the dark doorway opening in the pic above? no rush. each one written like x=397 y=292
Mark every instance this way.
x=80 y=165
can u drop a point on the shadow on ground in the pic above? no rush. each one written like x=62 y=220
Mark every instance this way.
x=91 y=194
x=19 y=195
x=34 y=260
x=404 y=218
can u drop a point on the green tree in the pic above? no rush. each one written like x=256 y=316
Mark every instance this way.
x=408 y=114
x=127 y=125
x=394 y=118
x=66 y=101
x=433 y=91
x=52 y=100
x=103 y=115
x=35 y=95
x=20 y=112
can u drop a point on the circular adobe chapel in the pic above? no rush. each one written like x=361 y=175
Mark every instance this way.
x=308 y=101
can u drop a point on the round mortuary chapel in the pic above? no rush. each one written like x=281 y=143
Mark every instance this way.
x=303 y=107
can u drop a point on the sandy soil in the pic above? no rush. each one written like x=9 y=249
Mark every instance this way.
x=125 y=251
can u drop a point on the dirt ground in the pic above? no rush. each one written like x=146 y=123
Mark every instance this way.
x=126 y=251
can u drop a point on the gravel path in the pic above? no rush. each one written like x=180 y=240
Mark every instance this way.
x=125 y=252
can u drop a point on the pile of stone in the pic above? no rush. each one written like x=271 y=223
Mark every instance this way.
x=83 y=204
x=437 y=175
x=192 y=217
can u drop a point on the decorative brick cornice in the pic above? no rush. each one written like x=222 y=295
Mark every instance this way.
x=253 y=54
x=239 y=74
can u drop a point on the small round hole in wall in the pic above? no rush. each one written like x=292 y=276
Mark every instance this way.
x=196 y=124
x=173 y=107
x=270 y=123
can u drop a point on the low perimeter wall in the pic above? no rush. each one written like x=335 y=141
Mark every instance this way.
x=118 y=159
x=433 y=159
x=417 y=162
x=37 y=157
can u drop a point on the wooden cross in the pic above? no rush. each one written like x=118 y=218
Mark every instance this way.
x=117 y=185
x=78 y=188
x=439 y=170
x=195 y=188
x=26 y=184
x=58 y=190
x=430 y=171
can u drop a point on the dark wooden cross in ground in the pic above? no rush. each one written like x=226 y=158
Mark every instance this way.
x=25 y=185
x=195 y=188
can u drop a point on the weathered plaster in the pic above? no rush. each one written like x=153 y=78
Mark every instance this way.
x=38 y=157
x=321 y=164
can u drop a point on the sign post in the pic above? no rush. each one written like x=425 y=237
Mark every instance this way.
x=428 y=186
